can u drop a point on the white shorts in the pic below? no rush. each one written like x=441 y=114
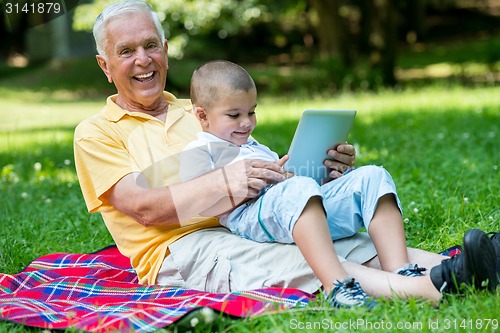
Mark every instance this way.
x=217 y=261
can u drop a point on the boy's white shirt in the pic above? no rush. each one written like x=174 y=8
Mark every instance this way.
x=210 y=152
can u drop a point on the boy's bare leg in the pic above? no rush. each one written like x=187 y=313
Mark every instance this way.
x=378 y=283
x=312 y=236
x=387 y=233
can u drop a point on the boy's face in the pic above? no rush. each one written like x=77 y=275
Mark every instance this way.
x=231 y=118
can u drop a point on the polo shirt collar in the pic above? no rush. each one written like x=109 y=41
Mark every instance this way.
x=114 y=113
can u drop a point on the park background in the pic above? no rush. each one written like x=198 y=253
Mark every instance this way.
x=423 y=76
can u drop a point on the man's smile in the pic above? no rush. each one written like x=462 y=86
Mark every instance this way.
x=145 y=77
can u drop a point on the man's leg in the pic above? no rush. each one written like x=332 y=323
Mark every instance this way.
x=473 y=266
x=379 y=283
x=423 y=258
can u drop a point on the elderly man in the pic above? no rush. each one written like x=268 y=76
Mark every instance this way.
x=128 y=167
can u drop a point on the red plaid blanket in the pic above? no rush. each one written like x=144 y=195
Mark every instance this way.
x=99 y=293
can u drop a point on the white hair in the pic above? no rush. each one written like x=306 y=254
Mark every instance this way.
x=120 y=8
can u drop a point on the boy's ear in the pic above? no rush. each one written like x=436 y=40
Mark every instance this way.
x=201 y=114
x=104 y=66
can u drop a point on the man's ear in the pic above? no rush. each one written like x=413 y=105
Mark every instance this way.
x=201 y=114
x=104 y=66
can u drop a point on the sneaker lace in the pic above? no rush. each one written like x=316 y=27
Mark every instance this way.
x=412 y=271
x=352 y=290
x=495 y=237
x=355 y=289
x=348 y=293
x=449 y=266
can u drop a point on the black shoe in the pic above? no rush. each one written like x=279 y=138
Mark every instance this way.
x=495 y=239
x=473 y=266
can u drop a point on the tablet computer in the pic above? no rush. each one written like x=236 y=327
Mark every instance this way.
x=316 y=133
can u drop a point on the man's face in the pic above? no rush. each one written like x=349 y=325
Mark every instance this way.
x=232 y=117
x=136 y=61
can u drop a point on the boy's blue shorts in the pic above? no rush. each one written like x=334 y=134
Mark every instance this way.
x=349 y=201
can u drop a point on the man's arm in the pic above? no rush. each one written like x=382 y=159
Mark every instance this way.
x=180 y=202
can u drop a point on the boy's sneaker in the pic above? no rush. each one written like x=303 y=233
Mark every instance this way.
x=411 y=270
x=472 y=267
x=348 y=294
x=495 y=239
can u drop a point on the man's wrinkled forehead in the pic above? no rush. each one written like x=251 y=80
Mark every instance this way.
x=127 y=29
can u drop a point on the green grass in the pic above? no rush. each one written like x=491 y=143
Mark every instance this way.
x=441 y=145
x=440 y=142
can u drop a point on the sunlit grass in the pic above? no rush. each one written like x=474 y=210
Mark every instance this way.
x=441 y=144
x=480 y=71
x=24 y=112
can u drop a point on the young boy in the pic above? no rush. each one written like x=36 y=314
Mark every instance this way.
x=298 y=210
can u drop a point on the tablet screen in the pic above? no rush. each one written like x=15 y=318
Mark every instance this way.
x=317 y=131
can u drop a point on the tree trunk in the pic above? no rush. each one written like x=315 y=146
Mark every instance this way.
x=365 y=26
x=383 y=38
x=416 y=15
x=332 y=31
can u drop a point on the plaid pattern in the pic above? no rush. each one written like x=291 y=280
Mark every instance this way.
x=99 y=292
x=452 y=251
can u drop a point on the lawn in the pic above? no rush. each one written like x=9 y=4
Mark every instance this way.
x=441 y=144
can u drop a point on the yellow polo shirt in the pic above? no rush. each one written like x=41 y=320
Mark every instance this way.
x=116 y=142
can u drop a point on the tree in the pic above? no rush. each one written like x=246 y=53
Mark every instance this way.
x=182 y=19
x=345 y=29
x=382 y=40
x=331 y=30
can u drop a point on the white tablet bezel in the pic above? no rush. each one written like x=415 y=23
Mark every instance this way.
x=317 y=131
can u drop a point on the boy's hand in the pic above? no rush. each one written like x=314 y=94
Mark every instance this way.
x=342 y=157
x=282 y=162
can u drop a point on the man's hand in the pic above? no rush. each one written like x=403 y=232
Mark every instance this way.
x=245 y=179
x=342 y=157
